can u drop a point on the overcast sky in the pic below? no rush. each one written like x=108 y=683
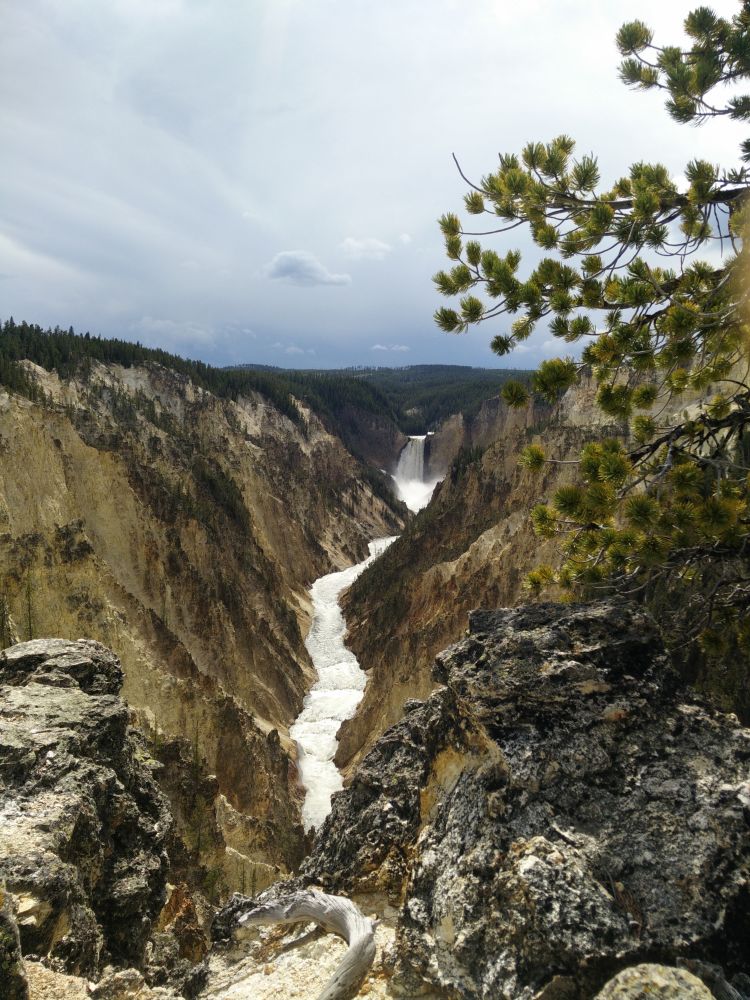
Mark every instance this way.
x=259 y=180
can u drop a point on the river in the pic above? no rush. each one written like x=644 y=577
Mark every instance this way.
x=336 y=693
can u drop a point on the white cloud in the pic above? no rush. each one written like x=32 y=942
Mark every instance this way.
x=365 y=249
x=405 y=239
x=299 y=267
x=390 y=347
x=293 y=349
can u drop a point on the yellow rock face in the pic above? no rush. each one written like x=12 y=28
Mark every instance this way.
x=182 y=531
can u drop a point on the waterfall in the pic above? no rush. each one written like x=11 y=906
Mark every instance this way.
x=411 y=461
x=411 y=486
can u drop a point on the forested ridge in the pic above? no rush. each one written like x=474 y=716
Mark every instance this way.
x=416 y=398
x=420 y=397
x=69 y=353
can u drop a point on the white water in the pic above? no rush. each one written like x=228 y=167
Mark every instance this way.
x=409 y=475
x=334 y=696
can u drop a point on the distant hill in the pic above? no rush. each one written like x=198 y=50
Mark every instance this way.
x=414 y=399
x=419 y=397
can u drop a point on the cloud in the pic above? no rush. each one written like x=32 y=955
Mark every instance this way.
x=170 y=332
x=298 y=267
x=390 y=347
x=365 y=249
x=179 y=130
x=293 y=349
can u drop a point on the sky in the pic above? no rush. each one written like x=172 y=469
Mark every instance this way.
x=259 y=180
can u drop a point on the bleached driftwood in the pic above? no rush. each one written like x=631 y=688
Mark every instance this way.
x=335 y=914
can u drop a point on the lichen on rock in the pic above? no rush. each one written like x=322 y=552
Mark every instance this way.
x=657 y=981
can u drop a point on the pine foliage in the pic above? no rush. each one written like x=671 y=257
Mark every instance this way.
x=623 y=273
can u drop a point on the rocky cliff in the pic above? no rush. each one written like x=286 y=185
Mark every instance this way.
x=553 y=813
x=548 y=824
x=472 y=547
x=183 y=531
x=83 y=825
x=85 y=837
x=372 y=436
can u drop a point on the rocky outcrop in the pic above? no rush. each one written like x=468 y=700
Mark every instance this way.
x=182 y=531
x=555 y=813
x=83 y=825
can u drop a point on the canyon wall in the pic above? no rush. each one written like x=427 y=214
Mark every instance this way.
x=472 y=547
x=183 y=531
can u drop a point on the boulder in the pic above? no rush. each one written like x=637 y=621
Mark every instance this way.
x=655 y=981
x=83 y=825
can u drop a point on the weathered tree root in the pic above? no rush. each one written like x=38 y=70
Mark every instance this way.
x=337 y=915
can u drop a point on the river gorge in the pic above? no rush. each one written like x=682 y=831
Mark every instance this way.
x=253 y=733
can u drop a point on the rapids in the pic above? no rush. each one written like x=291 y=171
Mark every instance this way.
x=334 y=696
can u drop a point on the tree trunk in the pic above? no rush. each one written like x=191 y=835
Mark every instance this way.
x=335 y=914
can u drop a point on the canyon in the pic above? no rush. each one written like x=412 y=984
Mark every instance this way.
x=183 y=531
x=504 y=801
x=472 y=547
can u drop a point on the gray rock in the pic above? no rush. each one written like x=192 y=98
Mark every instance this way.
x=83 y=824
x=654 y=982
x=364 y=842
x=61 y=663
x=556 y=812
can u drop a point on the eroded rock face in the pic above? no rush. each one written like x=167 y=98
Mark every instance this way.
x=555 y=814
x=83 y=825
